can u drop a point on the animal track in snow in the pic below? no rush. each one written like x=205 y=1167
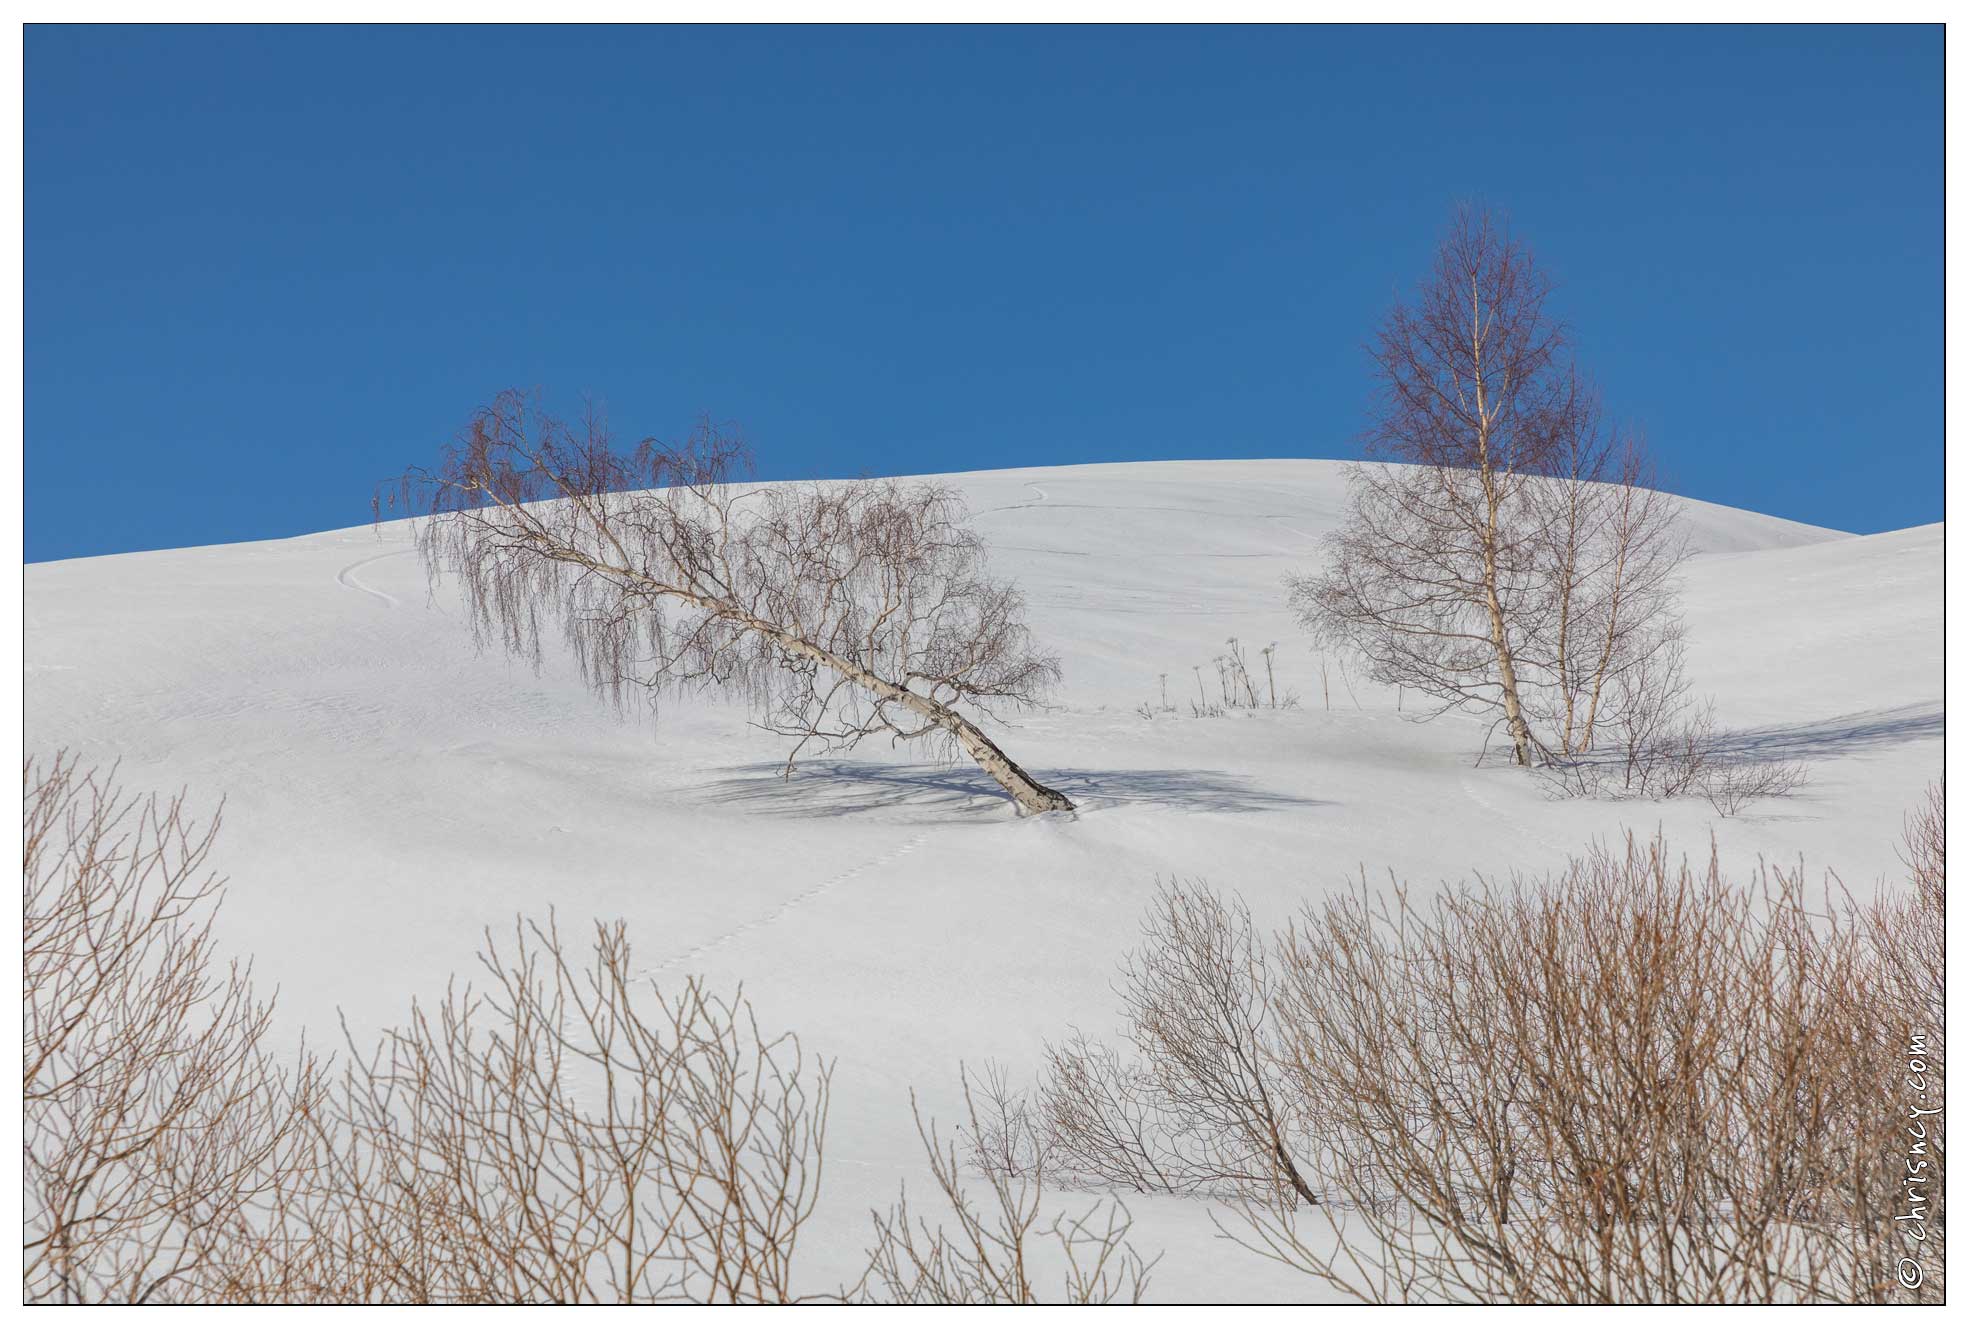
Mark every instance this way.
x=785 y=906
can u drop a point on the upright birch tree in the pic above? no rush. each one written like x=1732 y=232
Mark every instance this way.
x=1434 y=571
x=1505 y=550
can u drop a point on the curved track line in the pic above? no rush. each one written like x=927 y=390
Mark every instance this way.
x=1307 y=536
x=347 y=576
x=774 y=914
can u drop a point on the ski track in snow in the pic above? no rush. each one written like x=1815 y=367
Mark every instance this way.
x=347 y=576
x=780 y=910
x=1039 y=495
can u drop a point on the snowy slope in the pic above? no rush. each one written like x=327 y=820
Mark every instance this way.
x=390 y=793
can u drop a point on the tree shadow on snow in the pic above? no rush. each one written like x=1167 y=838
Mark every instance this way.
x=830 y=788
x=1839 y=736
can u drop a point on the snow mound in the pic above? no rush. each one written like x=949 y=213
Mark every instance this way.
x=390 y=793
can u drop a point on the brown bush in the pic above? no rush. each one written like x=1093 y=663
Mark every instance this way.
x=1632 y=1082
x=994 y=1254
x=1202 y=1107
x=562 y=1132
x=159 y=1136
x=1905 y=932
x=572 y=1135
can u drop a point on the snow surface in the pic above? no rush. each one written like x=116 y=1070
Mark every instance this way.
x=390 y=793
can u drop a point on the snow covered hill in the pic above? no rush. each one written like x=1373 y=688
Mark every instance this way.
x=390 y=793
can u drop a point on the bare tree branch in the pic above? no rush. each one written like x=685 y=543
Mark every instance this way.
x=839 y=611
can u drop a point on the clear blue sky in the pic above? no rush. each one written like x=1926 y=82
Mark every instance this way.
x=266 y=268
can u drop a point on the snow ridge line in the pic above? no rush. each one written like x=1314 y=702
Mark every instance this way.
x=347 y=576
x=785 y=906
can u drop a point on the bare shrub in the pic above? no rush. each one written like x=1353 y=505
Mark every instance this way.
x=1199 y=1109
x=564 y=1132
x=158 y=1132
x=840 y=611
x=1731 y=784
x=1634 y=1081
x=1908 y=945
x=1665 y=746
x=1004 y=1138
x=1924 y=837
x=998 y=1249
x=1198 y=994
x=1908 y=928
x=1107 y=1122
x=573 y=1135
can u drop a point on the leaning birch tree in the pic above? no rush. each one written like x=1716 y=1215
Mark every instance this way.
x=839 y=611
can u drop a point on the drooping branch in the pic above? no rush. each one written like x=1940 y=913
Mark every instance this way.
x=838 y=611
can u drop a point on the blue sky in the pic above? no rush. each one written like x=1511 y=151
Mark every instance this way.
x=268 y=267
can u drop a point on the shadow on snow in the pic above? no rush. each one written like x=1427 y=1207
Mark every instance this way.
x=834 y=788
x=1840 y=736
